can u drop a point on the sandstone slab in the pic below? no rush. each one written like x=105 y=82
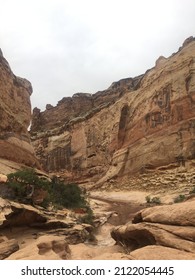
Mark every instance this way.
x=181 y=214
x=44 y=248
x=17 y=214
x=154 y=252
x=169 y=226
x=7 y=247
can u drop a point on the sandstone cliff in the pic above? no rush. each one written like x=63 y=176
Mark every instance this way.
x=137 y=124
x=15 y=116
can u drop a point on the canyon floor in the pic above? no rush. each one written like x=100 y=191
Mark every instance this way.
x=121 y=207
x=164 y=231
x=113 y=210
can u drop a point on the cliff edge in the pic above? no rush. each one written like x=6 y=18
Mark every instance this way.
x=15 y=116
x=137 y=124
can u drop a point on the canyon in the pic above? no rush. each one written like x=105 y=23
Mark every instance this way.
x=137 y=125
x=132 y=141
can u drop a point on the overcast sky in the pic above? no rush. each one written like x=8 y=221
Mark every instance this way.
x=68 y=46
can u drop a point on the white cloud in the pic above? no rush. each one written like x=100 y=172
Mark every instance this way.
x=65 y=46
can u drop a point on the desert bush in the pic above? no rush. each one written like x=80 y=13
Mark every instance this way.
x=25 y=182
x=179 y=198
x=88 y=217
x=153 y=200
x=156 y=200
x=67 y=195
x=192 y=191
x=148 y=199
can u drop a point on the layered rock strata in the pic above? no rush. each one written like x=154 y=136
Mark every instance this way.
x=137 y=124
x=28 y=232
x=7 y=247
x=15 y=117
x=160 y=232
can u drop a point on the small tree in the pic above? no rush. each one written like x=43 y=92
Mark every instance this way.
x=25 y=182
x=67 y=195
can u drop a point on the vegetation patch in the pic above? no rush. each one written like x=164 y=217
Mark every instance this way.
x=192 y=191
x=179 y=198
x=29 y=188
x=153 y=200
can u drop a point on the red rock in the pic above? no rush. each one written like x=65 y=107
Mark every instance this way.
x=15 y=115
x=137 y=124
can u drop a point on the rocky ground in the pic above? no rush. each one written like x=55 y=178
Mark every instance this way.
x=27 y=232
x=160 y=232
x=165 y=183
x=30 y=233
x=110 y=210
x=125 y=228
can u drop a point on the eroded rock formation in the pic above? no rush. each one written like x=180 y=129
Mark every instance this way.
x=160 y=232
x=49 y=232
x=44 y=248
x=7 y=247
x=15 y=116
x=15 y=214
x=137 y=124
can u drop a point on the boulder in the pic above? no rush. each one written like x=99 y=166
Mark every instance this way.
x=7 y=247
x=156 y=227
x=3 y=178
x=180 y=214
x=16 y=214
x=44 y=248
x=154 y=252
x=58 y=245
x=135 y=236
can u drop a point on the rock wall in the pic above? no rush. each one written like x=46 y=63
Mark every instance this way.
x=137 y=124
x=80 y=105
x=15 y=117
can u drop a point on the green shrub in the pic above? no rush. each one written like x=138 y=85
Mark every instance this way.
x=148 y=199
x=192 y=191
x=156 y=200
x=88 y=217
x=179 y=198
x=25 y=182
x=153 y=200
x=68 y=196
